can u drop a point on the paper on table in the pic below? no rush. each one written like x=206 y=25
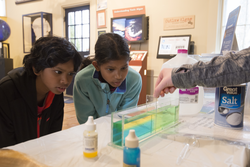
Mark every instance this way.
x=204 y=125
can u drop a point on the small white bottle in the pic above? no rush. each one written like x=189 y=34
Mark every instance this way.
x=191 y=100
x=90 y=139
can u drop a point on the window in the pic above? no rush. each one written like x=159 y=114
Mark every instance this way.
x=77 y=28
x=243 y=25
x=2 y=8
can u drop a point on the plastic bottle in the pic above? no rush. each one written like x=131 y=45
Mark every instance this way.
x=90 y=139
x=131 y=151
x=191 y=100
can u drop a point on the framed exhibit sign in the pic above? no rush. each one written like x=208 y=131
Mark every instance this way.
x=35 y=25
x=138 y=55
x=101 y=19
x=175 y=23
x=101 y=32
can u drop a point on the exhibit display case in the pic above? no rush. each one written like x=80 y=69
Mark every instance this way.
x=35 y=25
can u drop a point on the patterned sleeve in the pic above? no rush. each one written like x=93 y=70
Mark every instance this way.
x=230 y=69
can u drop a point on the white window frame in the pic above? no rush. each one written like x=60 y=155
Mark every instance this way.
x=2 y=8
x=67 y=25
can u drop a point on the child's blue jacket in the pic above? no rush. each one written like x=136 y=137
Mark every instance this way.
x=91 y=95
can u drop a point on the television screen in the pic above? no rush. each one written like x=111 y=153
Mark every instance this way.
x=169 y=45
x=132 y=28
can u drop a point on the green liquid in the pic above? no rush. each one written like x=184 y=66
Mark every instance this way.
x=146 y=124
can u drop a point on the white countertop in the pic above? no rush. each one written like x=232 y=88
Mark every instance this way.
x=65 y=148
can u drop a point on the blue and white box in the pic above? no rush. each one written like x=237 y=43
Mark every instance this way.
x=229 y=106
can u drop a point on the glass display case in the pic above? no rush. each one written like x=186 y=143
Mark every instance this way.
x=35 y=25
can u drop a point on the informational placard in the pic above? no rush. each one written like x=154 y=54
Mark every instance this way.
x=172 y=44
x=101 y=18
x=169 y=45
x=139 y=10
x=101 y=32
x=229 y=37
x=183 y=22
x=101 y=4
x=138 y=55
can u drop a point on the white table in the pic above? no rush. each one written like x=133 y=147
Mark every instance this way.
x=64 y=149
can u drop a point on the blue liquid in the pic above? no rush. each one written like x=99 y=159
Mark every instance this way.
x=132 y=156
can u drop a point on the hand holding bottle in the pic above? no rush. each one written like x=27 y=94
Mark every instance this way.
x=191 y=98
x=164 y=83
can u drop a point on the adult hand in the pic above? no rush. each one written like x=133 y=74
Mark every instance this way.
x=164 y=83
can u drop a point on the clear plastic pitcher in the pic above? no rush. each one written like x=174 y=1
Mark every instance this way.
x=191 y=100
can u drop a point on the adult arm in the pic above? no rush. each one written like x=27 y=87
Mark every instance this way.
x=230 y=69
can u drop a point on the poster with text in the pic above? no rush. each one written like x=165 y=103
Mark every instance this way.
x=228 y=38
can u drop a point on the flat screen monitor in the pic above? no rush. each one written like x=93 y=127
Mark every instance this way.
x=169 y=45
x=132 y=28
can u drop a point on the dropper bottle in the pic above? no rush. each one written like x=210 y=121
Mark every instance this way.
x=90 y=139
x=131 y=151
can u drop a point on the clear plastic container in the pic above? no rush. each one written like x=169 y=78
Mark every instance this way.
x=191 y=100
